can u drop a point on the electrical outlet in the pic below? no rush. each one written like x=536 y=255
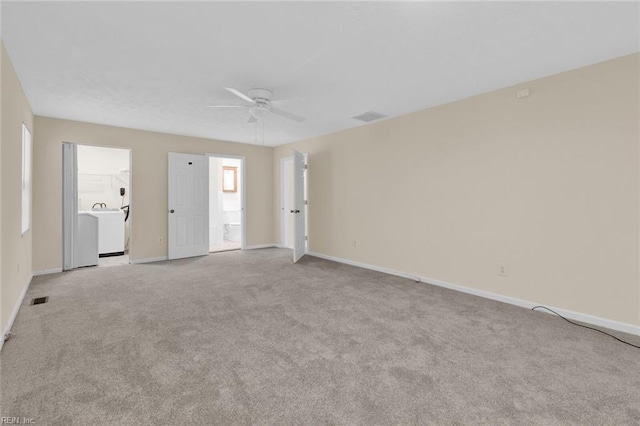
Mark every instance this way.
x=355 y=243
x=160 y=240
x=502 y=270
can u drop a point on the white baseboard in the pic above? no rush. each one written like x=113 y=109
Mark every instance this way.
x=14 y=314
x=47 y=272
x=577 y=316
x=261 y=246
x=283 y=246
x=149 y=260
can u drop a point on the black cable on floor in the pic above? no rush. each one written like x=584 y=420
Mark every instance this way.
x=585 y=326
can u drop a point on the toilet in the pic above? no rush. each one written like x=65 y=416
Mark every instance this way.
x=232 y=220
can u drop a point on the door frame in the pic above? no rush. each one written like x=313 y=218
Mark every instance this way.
x=69 y=204
x=243 y=195
x=283 y=209
x=70 y=201
x=283 y=198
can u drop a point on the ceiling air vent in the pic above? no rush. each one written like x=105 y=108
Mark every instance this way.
x=369 y=116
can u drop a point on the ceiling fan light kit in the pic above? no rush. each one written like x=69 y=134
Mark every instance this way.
x=259 y=110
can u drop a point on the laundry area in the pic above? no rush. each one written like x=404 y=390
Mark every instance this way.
x=103 y=182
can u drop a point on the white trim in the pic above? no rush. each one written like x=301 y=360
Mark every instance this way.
x=149 y=260
x=261 y=246
x=69 y=204
x=577 y=316
x=27 y=154
x=14 y=314
x=283 y=199
x=306 y=203
x=243 y=194
x=299 y=228
x=47 y=272
x=129 y=243
x=70 y=200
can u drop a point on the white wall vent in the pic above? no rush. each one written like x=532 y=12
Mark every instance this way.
x=369 y=116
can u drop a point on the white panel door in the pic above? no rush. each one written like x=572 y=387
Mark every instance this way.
x=298 y=206
x=188 y=205
x=69 y=205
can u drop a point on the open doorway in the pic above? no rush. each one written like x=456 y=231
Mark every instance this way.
x=226 y=203
x=96 y=188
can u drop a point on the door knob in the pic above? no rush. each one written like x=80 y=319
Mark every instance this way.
x=172 y=211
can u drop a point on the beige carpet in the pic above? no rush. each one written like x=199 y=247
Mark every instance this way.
x=250 y=338
x=226 y=245
x=114 y=260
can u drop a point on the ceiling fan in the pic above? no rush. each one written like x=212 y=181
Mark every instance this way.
x=260 y=105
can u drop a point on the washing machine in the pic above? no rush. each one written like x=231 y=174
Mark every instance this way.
x=110 y=231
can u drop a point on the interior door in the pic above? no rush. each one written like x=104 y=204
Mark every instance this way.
x=69 y=205
x=188 y=205
x=298 y=206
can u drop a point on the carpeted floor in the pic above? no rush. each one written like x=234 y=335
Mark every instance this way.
x=250 y=338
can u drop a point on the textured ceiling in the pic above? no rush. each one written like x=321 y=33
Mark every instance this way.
x=154 y=65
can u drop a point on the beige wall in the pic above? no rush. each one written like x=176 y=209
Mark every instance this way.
x=546 y=185
x=16 y=248
x=149 y=153
x=2 y=324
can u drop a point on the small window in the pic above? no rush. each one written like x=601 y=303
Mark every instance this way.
x=26 y=178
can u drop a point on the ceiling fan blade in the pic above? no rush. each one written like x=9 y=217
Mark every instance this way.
x=238 y=94
x=225 y=106
x=288 y=115
x=251 y=119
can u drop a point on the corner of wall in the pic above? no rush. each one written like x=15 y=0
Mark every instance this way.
x=511 y=183
x=15 y=247
x=1 y=144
